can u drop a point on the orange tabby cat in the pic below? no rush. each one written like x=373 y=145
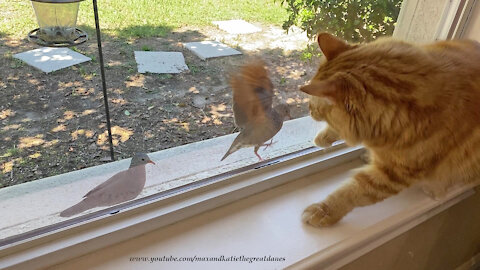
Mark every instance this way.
x=415 y=108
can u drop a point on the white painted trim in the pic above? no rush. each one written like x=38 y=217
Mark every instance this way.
x=87 y=237
x=464 y=16
x=448 y=17
x=453 y=17
x=405 y=18
x=101 y=232
x=347 y=251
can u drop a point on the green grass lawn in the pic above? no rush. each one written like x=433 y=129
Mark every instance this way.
x=144 y=18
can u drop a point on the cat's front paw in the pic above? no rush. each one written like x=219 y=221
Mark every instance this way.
x=435 y=193
x=318 y=215
x=366 y=157
x=324 y=139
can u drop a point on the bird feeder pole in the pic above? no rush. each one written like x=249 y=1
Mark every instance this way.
x=102 y=72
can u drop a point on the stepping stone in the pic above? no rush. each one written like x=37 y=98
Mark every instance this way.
x=237 y=27
x=49 y=59
x=210 y=49
x=160 y=62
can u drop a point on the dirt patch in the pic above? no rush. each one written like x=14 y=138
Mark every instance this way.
x=54 y=123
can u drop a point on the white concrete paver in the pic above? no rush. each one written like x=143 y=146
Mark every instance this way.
x=160 y=62
x=210 y=49
x=49 y=59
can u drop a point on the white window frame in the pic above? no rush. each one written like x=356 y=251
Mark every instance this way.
x=81 y=238
x=102 y=230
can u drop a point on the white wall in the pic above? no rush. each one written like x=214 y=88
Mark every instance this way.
x=419 y=20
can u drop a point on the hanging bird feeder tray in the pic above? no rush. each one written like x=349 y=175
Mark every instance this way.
x=57 y=21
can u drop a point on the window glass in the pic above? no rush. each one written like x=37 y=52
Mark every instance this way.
x=55 y=123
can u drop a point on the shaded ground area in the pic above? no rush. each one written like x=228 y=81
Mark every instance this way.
x=54 y=123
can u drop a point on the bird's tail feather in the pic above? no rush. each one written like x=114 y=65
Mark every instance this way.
x=78 y=208
x=233 y=148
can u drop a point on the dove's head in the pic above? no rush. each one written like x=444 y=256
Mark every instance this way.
x=140 y=159
x=283 y=110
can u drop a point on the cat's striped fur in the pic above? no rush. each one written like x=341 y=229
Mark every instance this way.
x=415 y=108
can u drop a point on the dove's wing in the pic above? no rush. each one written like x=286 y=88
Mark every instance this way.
x=256 y=134
x=124 y=184
x=109 y=182
x=252 y=94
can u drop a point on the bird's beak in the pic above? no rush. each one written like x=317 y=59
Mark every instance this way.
x=151 y=162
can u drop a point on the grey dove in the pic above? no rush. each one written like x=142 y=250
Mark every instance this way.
x=252 y=108
x=123 y=186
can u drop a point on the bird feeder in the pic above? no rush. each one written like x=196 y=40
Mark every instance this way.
x=57 y=21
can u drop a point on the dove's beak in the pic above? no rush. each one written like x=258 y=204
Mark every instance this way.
x=151 y=162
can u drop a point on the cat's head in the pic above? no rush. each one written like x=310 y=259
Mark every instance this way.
x=359 y=89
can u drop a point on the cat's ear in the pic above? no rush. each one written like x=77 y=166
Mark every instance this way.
x=325 y=88
x=331 y=46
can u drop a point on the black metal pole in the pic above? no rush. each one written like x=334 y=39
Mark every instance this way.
x=104 y=85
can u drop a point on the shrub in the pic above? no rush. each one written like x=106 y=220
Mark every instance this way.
x=352 y=20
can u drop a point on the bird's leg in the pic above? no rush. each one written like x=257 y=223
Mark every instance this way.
x=268 y=144
x=255 y=151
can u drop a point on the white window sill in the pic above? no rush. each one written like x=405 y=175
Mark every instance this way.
x=268 y=224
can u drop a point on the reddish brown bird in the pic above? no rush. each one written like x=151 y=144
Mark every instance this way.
x=252 y=108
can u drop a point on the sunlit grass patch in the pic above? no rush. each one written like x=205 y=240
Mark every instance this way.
x=141 y=18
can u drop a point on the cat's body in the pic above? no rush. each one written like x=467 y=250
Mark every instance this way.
x=415 y=108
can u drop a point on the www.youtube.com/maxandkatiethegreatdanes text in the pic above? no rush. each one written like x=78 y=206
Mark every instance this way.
x=222 y=258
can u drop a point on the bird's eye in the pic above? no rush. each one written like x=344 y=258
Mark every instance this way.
x=143 y=159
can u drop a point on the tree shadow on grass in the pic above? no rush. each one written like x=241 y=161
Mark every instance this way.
x=142 y=31
x=132 y=32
